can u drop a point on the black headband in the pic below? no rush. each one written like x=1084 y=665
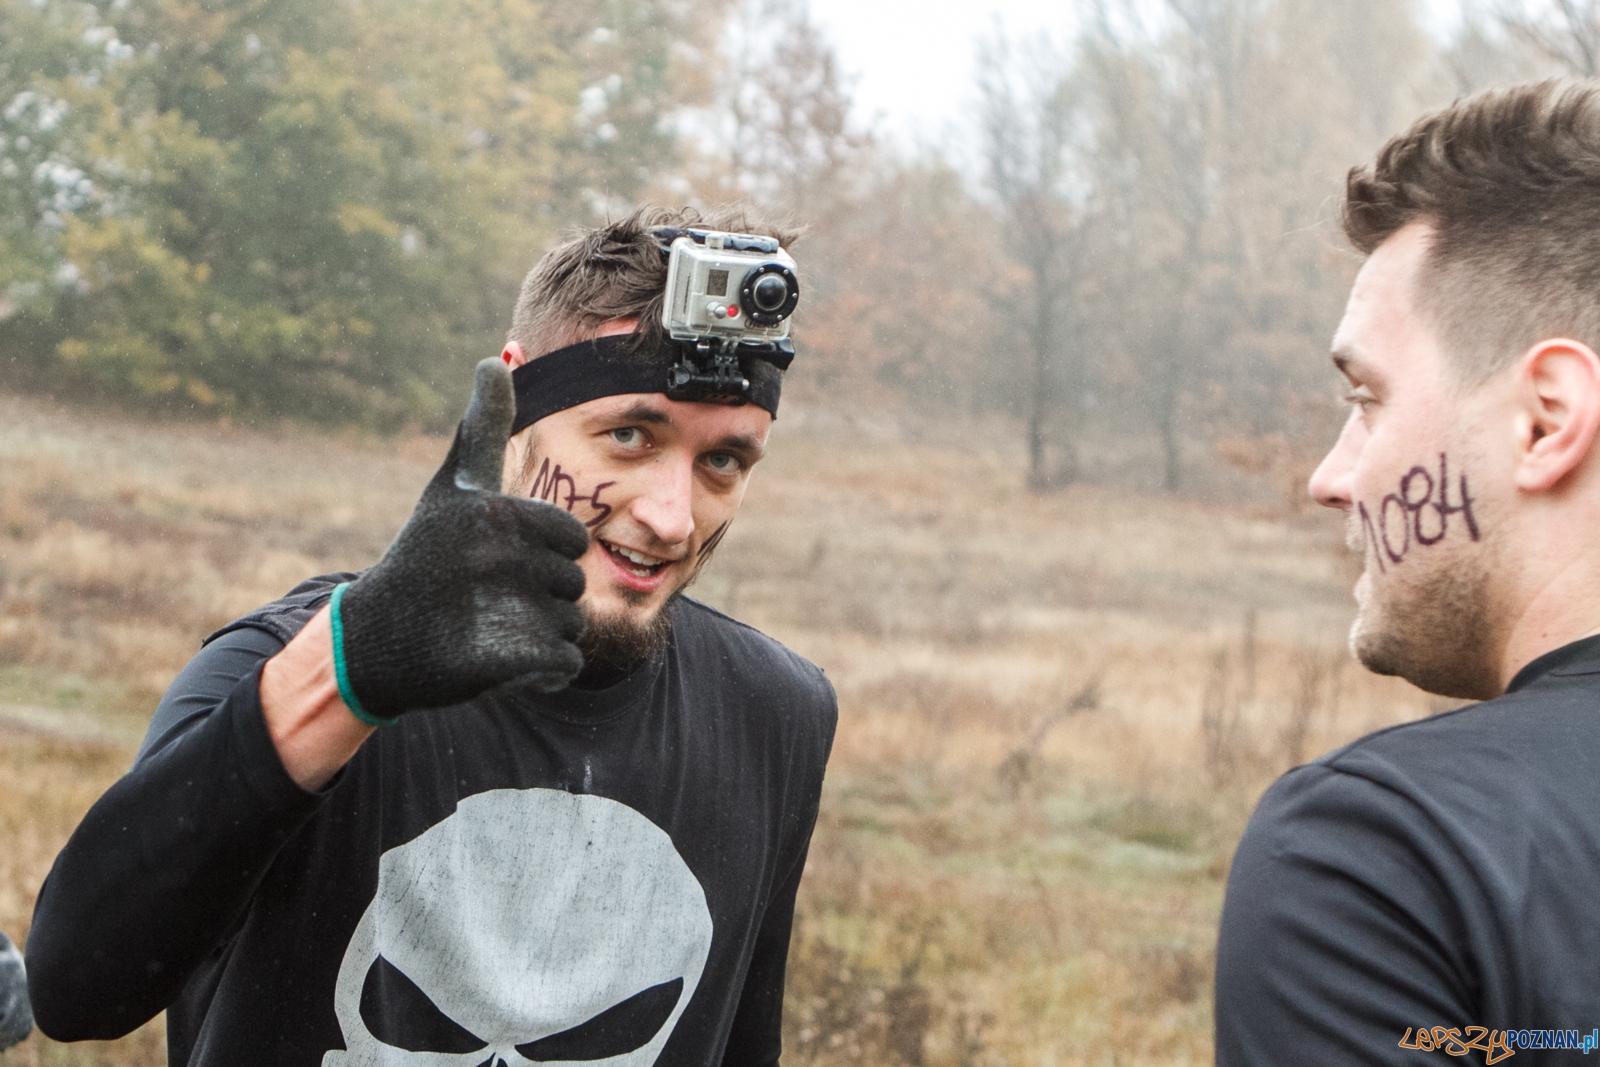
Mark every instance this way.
x=610 y=366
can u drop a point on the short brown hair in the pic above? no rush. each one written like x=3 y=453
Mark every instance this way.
x=615 y=271
x=1508 y=182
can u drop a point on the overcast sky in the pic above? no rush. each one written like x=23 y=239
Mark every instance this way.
x=912 y=60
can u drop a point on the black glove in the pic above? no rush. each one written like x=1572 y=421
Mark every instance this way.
x=16 y=1017
x=477 y=589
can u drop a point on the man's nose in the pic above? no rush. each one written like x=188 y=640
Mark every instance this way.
x=1331 y=483
x=666 y=508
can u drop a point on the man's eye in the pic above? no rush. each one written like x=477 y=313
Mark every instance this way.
x=628 y=436
x=724 y=462
x=1359 y=398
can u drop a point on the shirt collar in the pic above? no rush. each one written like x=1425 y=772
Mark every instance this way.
x=1579 y=657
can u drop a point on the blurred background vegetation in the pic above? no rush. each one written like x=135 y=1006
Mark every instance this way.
x=301 y=208
x=1037 y=499
x=282 y=208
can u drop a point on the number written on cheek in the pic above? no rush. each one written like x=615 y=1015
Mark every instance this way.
x=555 y=486
x=1418 y=514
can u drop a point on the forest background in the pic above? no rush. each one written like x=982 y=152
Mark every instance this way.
x=1036 y=501
x=288 y=208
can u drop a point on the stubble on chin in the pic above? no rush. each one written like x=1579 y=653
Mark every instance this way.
x=1431 y=623
x=621 y=640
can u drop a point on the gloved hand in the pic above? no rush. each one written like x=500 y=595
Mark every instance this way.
x=477 y=589
x=16 y=1017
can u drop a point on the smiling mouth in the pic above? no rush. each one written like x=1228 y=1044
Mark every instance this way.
x=635 y=563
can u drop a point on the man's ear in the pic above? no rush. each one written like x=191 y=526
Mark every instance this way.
x=516 y=448
x=1560 y=382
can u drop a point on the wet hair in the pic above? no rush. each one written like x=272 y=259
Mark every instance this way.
x=615 y=271
x=1508 y=183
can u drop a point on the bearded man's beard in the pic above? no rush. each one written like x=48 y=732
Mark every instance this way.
x=614 y=644
x=617 y=643
x=1437 y=630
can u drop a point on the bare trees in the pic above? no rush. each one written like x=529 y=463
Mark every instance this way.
x=1113 y=160
x=793 y=140
x=1139 y=267
x=1178 y=161
x=1565 y=32
x=1028 y=118
x=1136 y=268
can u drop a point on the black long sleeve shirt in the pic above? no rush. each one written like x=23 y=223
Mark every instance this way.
x=1439 y=875
x=586 y=875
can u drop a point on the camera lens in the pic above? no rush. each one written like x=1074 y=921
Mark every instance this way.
x=770 y=292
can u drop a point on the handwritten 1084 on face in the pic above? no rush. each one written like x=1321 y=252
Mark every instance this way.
x=1417 y=513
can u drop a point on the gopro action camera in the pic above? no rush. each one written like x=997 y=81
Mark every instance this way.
x=729 y=297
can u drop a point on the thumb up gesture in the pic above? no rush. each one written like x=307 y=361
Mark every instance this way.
x=478 y=588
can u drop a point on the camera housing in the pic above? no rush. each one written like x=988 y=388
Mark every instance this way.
x=729 y=297
x=729 y=285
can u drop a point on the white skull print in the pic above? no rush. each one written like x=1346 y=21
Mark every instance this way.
x=531 y=926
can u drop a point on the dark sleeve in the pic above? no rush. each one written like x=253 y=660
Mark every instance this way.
x=756 y=1038
x=202 y=685
x=1337 y=928
x=165 y=863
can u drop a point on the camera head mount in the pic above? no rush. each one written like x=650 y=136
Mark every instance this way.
x=728 y=300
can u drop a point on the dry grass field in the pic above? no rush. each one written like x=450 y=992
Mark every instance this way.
x=1056 y=712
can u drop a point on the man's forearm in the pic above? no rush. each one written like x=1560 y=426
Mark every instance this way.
x=158 y=873
x=312 y=729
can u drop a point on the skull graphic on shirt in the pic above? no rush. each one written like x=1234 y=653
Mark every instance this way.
x=530 y=926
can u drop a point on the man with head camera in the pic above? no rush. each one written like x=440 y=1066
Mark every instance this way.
x=506 y=797
x=1429 y=890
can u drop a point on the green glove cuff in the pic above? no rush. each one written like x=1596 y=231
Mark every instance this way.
x=340 y=673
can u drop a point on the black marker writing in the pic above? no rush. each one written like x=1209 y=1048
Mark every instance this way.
x=1414 y=516
x=555 y=486
x=711 y=543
